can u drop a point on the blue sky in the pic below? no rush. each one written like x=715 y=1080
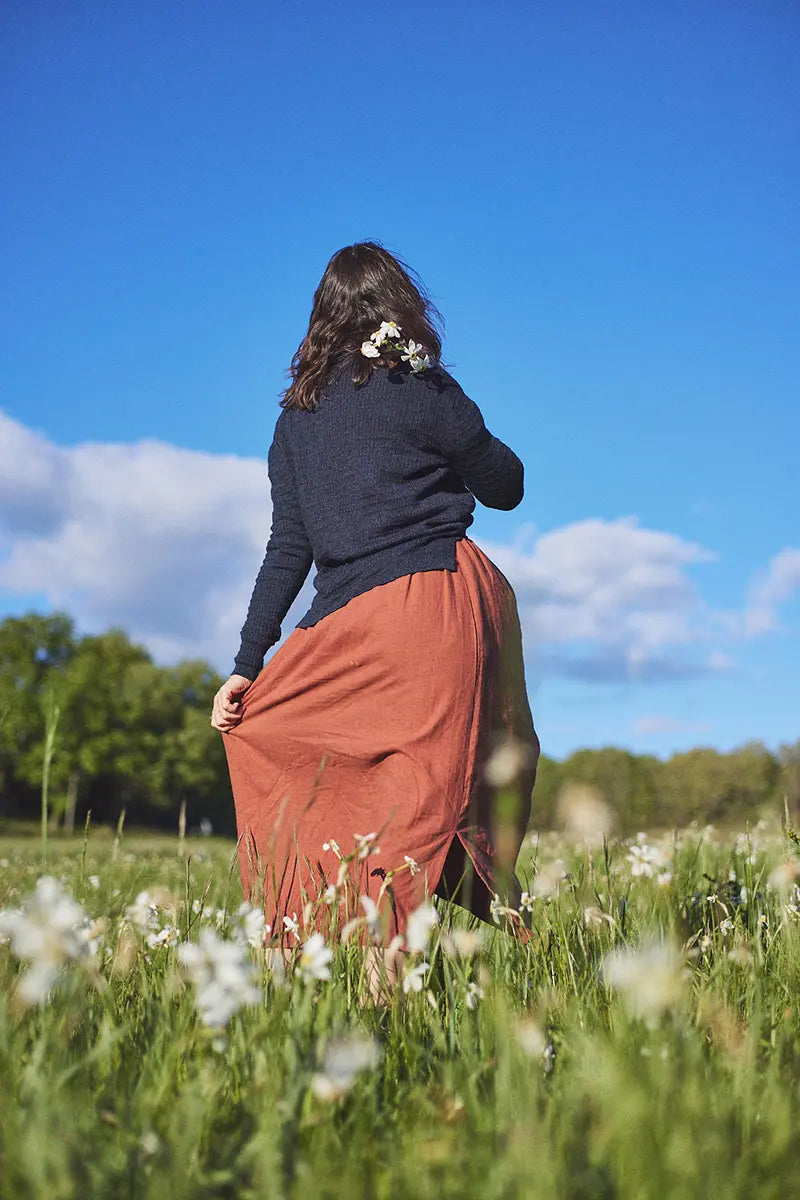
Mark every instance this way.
x=602 y=200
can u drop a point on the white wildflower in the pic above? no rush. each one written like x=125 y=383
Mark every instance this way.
x=593 y=917
x=498 y=909
x=342 y=873
x=748 y=846
x=388 y=329
x=149 y=1143
x=507 y=760
x=473 y=994
x=418 y=927
x=412 y=350
x=251 y=925
x=413 y=977
x=548 y=878
x=92 y=931
x=222 y=977
x=168 y=936
x=315 y=958
x=644 y=859
x=782 y=877
x=650 y=977
x=583 y=812
x=345 y=1057
x=372 y=917
x=366 y=844
x=46 y=932
x=412 y=864
x=531 y=1038
x=292 y=925
x=143 y=913
x=462 y=943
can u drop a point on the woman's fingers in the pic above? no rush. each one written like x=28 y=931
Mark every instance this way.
x=223 y=717
x=231 y=696
x=226 y=709
x=223 y=724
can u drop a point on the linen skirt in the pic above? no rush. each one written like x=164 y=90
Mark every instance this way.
x=388 y=754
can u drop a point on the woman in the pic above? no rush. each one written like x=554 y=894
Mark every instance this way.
x=365 y=756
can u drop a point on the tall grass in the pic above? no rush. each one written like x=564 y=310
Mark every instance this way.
x=516 y=1071
x=51 y=724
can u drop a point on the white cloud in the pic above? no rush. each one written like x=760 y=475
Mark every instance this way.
x=163 y=541
x=610 y=600
x=772 y=587
x=167 y=542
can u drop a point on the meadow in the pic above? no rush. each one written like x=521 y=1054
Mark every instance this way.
x=645 y=1044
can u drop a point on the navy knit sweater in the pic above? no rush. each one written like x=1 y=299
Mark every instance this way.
x=377 y=482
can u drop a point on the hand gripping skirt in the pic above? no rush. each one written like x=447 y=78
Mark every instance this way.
x=359 y=765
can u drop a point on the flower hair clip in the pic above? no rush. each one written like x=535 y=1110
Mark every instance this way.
x=388 y=336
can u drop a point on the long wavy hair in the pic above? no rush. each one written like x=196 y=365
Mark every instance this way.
x=362 y=285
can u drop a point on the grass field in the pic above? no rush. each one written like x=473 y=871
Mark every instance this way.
x=646 y=1045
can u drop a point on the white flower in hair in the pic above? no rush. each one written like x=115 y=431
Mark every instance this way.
x=416 y=360
x=388 y=329
x=412 y=352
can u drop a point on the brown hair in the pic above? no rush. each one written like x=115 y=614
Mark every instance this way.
x=362 y=285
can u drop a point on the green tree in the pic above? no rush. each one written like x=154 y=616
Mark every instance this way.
x=32 y=648
x=625 y=781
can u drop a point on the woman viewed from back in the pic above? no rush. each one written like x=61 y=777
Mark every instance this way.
x=357 y=755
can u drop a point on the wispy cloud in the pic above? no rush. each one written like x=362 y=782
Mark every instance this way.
x=771 y=587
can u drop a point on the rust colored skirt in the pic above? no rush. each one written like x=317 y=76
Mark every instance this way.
x=357 y=767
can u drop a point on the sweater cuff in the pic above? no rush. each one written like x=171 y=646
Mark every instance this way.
x=246 y=670
x=248 y=661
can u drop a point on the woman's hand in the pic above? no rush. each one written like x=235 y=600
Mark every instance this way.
x=226 y=709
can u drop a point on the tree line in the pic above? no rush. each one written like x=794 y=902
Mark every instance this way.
x=113 y=731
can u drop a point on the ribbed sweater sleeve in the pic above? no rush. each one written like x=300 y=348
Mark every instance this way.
x=488 y=467
x=286 y=564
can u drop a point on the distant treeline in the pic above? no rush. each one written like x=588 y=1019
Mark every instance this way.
x=120 y=732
